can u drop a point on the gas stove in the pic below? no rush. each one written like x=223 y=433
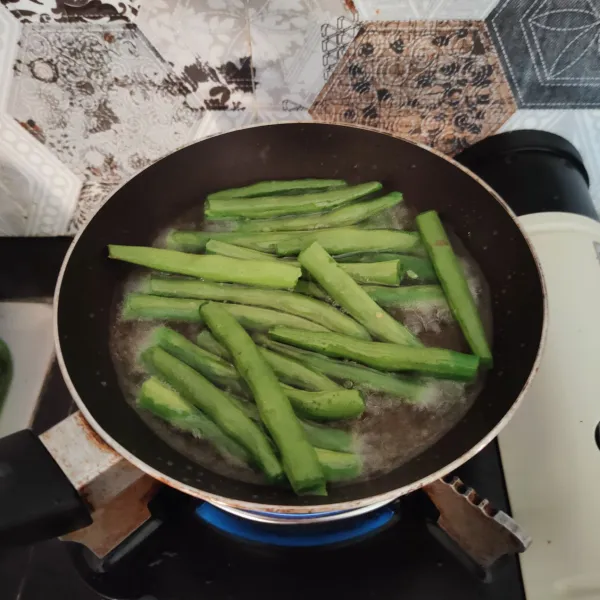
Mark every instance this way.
x=189 y=549
x=407 y=549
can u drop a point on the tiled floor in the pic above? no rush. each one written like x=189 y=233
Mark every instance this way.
x=100 y=98
x=439 y=83
x=550 y=51
x=102 y=87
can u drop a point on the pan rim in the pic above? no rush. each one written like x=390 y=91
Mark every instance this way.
x=305 y=509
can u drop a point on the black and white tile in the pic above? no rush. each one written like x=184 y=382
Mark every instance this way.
x=207 y=42
x=100 y=98
x=65 y=11
x=290 y=40
x=550 y=51
x=38 y=193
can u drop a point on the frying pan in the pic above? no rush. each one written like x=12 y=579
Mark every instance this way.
x=138 y=211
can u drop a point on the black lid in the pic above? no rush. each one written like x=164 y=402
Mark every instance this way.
x=524 y=140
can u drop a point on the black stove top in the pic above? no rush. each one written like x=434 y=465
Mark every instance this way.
x=180 y=556
x=407 y=557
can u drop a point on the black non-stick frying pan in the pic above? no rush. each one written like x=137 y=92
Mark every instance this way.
x=160 y=194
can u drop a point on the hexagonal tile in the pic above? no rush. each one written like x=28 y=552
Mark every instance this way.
x=400 y=10
x=69 y=11
x=10 y=30
x=100 y=98
x=293 y=45
x=208 y=44
x=436 y=82
x=550 y=51
x=38 y=192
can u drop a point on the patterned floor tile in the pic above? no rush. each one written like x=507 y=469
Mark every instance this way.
x=580 y=127
x=401 y=10
x=281 y=116
x=222 y=121
x=68 y=11
x=38 y=192
x=208 y=44
x=436 y=82
x=550 y=51
x=295 y=44
x=100 y=98
x=10 y=31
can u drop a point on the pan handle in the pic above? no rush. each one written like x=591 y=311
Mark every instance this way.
x=63 y=481
x=479 y=529
x=37 y=500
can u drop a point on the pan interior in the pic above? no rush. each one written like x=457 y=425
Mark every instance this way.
x=390 y=432
x=174 y=188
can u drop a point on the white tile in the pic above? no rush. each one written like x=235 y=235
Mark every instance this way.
x=205 y=41
x=10 y=30
x=580 y=127
x=27 y=330
x=217 y=122
x=222 y=121
x=108 y=114
x=401 y=10
x=281 y=116
x=38 y=192
x=46 y=11
x=288 y=49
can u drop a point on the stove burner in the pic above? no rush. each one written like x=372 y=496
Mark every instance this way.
x=307 y=535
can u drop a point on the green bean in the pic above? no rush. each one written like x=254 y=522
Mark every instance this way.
x=265 y=188
x=364 y=378
x=299 y=458
x=284 y=302
x=438 y=362
x=206 y=340
x=417 y=269
x=328 y=438
x=168 y=405
x=212 y=401
x=326 y=406
x=146 y=307
x=220 y=372
x=319 y=436
x=381 y=273
x=413 y=296
x=263 y=319
x=340 y=217
x=214 y=268
x=353 y=239
x=195 y=241
x=274 y=206
x=179 y=346
x=296 y=374
x=339 y=466
x=310 y=288
x=350 y=296
x=378 y=273
x=403 y=297
x=452 y=277
x=225 y=249
x=287 y=370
